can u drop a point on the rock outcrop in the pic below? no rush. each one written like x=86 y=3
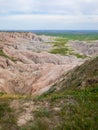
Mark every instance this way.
x=85 y=48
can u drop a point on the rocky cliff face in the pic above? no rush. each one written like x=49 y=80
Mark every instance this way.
x=25 y=65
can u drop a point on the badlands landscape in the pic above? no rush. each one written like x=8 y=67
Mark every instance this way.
x=48 y=82
x=26 y=66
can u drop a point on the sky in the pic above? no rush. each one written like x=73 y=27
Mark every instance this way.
x=49 y=14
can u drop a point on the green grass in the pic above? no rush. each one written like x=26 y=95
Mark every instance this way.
x=38 y=124
x=43 y=112
x=61 y=50
x=78 y=109
x=74 y=36
x=7 y=117
x=79 y=55
x=60 y=47
x=3 y=54
x=82 y=37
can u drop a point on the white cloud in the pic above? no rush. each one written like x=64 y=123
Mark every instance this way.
x=48 y=21
x=48 y=6
x=64 y=18
x=48 y=13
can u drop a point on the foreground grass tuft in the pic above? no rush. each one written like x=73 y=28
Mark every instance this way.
x=7 y=117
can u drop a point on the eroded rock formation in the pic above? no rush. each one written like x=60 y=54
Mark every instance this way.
x=25 y=65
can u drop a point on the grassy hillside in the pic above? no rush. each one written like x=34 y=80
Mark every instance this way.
x=67 y=110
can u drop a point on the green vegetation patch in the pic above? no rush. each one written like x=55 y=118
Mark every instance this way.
x=42 y=112
x=4 y=55
x=38 y=124
x=7 y=117
x=82 y=36
x=61 y=50
x=67 y=110
x=60 y=46
x=80 y=55
x=77 y=109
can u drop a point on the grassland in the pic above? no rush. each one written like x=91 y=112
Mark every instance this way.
x=76 y=110
x=67 y=110
x=71 y=35
x=60 y=46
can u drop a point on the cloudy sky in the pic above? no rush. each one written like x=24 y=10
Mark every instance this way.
x=49 y=14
